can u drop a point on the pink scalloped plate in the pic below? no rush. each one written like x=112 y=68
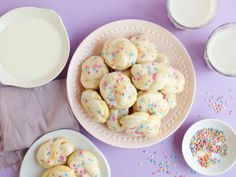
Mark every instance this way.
x=166 y=43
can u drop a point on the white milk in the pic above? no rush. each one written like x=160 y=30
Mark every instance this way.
x=192 y=13
x=221 y=50
x=30 y=48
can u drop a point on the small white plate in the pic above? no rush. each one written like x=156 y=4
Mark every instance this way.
x=226 y=163
x=34 y=47
x=166 y=43
x=30 y=167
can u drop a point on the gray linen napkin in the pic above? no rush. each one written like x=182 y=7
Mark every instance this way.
x=26 y=114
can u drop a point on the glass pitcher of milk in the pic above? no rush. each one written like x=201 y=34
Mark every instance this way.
x=191 y=14
x=220 y=51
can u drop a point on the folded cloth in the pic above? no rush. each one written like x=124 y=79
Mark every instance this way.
x=26 y=114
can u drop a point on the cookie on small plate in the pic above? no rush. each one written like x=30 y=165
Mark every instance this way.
x=54 y=152
x=84 y=164
x=59 y=171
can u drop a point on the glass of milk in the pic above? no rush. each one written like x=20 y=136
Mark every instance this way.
x=220 y=51
x=191 y=14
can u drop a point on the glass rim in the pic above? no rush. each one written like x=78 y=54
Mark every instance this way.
x=178 y=25
x=206 y=57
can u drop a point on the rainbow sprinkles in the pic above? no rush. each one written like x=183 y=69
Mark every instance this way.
x=208 y=146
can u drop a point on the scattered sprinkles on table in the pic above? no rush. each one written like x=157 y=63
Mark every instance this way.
x=208 y=146
x=219 y=103
x=164 y=164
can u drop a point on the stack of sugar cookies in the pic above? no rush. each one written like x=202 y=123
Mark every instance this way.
x=61 y=159
x=131 y=86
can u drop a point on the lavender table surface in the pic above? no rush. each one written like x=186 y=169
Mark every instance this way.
x=82 y=17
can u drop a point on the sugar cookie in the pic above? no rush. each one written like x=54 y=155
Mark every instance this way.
x=93 y=69
x=84 y=164
x=176 y=81
x=161 y=58
x=113 y=122
x=141 y=124
x=149 y=76
x=94 y=105
x=119 y=53
x=151 y=102
x=117 y=90
x=146 y=49
x=54 y=152
x=59 y=171
x=170 y=98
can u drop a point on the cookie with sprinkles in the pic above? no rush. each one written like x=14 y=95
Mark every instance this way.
x=151 y=102
x=94 y=105
x=170 y=98
x=146 y=49
x=149 y=76
x=84 y=164
x=59 y=171
x=141 y=124
x=162 y=58
x=113 y=122
x=175 y=83
x=119 y=53
x=117 y=90
x=54 y=152
x=93 y=69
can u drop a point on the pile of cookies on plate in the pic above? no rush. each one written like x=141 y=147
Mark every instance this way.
x=131 y=87
x=61 y=159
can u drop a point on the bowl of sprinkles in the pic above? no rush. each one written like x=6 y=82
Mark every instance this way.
x=209 y=147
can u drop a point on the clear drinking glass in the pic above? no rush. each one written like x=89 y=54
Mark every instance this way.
x=178 y=24
x=222 y=68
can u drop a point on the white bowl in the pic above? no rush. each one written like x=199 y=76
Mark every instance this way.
x=31 y=168
x=166 y=43
x=226 y=162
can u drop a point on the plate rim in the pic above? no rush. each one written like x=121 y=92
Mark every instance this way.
x=13 y=80
x=192 y=70
x=72 y=131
